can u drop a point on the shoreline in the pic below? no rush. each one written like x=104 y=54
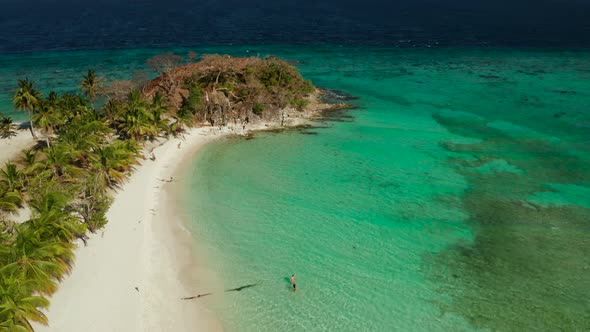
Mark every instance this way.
x=128 y=277
x=171 y=260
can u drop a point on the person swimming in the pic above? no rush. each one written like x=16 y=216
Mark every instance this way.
x=293 y=282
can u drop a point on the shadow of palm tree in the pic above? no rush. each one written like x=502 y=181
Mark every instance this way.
x=24 y=125
x=40 y=145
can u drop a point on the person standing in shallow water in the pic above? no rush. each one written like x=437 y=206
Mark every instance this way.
x=293 y=282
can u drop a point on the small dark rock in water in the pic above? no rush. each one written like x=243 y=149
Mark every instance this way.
x=353 y=247
x=455 y=276
x=564 y=92
x=490 y=76
x=336 y=96
x=559 y=115
x=137 y=289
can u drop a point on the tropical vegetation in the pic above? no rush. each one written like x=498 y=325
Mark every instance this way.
x=67 y=179
x=7 y=127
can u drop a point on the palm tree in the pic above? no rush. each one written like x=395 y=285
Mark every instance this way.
x=52 y=219
x=82 y=137
x=49 y=200
x=137 y=121
x=91 y=85
x=159 y=109
x=9 y=201
x=112 y=164
x=38 y=255
x=27 y=98
x=30 y=161
x=47 y=118
x=36 y=263
x=11 y=184
x=7 y=127
x=61 y=227
x=11 y=178
x=182 y=118
x=113 y=112
x=84 y=134
x=72 y=106
x=59 y=164
x=18 y=307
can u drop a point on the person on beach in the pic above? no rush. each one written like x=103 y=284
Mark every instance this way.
x=293 y=282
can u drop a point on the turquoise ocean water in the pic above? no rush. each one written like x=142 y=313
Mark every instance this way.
x=456 y=197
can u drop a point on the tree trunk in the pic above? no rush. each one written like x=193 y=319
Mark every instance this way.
x=31 y=124
x=47 y=137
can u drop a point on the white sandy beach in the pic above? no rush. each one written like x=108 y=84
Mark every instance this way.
x=10 y=148
x=144 y=245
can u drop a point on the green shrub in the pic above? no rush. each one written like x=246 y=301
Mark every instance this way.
x=194 y=102
x=299 y=103
x=258 y=108
x=276 y=74
x=307 y=87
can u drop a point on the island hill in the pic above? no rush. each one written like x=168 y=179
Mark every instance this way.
x=225 y=91
x=84 y=153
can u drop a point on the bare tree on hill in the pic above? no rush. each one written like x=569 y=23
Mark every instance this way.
x=163 y=64
x=118 y=90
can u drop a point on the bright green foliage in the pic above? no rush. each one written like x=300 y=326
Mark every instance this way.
x=191 y=105
x=158 y=109
x=194 y=102
x=84 y=134
x=112 y=163
x=72 y=106
x=137 y=121
x=30 y=162
x=11 y=178
x=182 y=118
x=9 y=201
x=59 y=164
x=49 y=200
x=36 y=261
x=18 y=307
